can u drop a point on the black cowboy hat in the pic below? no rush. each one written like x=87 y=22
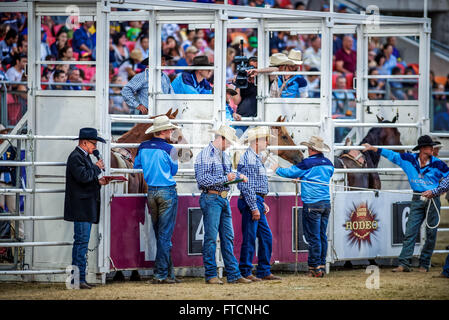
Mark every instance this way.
x=201 y=61
x=424 y=141
x=89 y=134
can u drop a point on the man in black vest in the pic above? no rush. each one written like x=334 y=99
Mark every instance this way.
x=82 y=196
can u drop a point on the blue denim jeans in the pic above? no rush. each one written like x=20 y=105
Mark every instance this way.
x=163 y=204
x=252 y=229
x=446 y=267
x=81 y=238
x=415 y=219
x=315 y=217
x=217 y=219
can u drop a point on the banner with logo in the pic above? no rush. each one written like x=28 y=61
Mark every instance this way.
x=369 y=225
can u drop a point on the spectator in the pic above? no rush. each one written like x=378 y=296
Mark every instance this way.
x=129 y=67
x=372 y=59
x=134 y=30
x=143 y=44
x=439 y=100
x=194 y=81
x=121 y=51
x=14 y=73
x=312 y=55
x=135 y=92
x=7 y=175
x=300 y=5
x=313 y=84
x=375 y=84
x=45 y=48
x=117 y=103
x=392 y=42
x=342 y=8
x=190 y=35
x=230 y=65
x=432 y=81
x=48 y=69
x=397 y=89
x=169 y=29
x=411 y=88
x=82 y=39
x=199 y=44
x=230 y=94
x=251 y=50
x=296 y=42
x=88 y=70
x=59 y=77
x=337 y=44
x=343 y=99
x=66 y=54
x=442 y=119
x=190 y=53
x=61 y=42
x=74 y=76
x=22 y=45
x=380 y=61
x=390 y=60
x=346 y=58
x=8 y=47
x=277 y=43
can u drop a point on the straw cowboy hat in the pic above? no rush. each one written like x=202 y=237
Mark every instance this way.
x=317 y=144
x=161 y=123
x=295 y=56
x=258 y=132
x=280 y=59
x=438 y=145
x=231 y=89
x=227 y=132
x=136 y=54
x=236 y=40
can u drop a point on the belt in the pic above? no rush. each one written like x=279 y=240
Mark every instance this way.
x=223 y=194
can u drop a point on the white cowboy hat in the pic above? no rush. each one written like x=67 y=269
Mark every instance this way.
x=161 y=123
x=227 y=132
x=236 y=40
x=295 y=56
x=317 y=144
x=259 y=132
x=136 y=54
x=280 y=59
x=438 y=145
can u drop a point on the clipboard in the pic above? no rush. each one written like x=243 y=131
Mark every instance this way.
x=232 y=182
x=115 y=178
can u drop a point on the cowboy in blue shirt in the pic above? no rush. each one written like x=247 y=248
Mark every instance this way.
x=158 y=159
x=253 y=208
x=424 y=172
x=212 y=170
x=316 y=199
x=442 y=188
x=7 y=174
x=194 y=81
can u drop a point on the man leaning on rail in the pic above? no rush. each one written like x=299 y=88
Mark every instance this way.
x=213 y=168
x=424 y=172
x=316 y=199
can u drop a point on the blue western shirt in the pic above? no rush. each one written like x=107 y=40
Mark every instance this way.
x=186 y=83
x=316 y=168
x=421 y=179
x=296 y=87
x=251 y=166
x=211 y=168
x=158 y=159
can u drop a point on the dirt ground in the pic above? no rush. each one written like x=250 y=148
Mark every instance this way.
x=338 y=285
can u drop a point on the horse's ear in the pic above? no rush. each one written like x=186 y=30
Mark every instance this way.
x=379 y=119
x=279 y=119
x=174 y=114
x=394 y=119
x=168 y=114
x=348 y=142
x=283 y=119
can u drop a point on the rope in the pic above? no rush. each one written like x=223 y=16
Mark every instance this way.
x=427 y=214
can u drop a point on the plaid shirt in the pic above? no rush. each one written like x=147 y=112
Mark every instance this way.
x=135 y=92
x=251 y=166
x=211 y=169
x=442 y=188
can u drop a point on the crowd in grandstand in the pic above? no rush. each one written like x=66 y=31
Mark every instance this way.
x=129 y=51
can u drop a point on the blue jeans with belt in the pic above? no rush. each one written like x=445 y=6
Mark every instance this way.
x=81 y=238
x=415 y=219
x=252 y=229
x=163 y=204
x=315 y=217
x=217 y=219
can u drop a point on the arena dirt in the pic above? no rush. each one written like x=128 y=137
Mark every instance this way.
x=337 y=285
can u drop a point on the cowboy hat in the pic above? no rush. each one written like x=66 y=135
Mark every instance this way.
x=89 y=134
x=280 y=59
x=201 y=61
x=317 y=144
x=258 y=132
x=227 y=132
x=161 y=123
x=438 y=145
x=191 y=49
x=295 y=56
x=231 y=89
x=236 y=40
x=424 y=141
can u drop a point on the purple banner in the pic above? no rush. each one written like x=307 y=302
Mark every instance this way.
x=133 y=243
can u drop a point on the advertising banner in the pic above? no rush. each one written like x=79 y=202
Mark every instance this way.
x=369 y=225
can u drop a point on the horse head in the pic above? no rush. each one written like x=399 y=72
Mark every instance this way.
x=283 y=138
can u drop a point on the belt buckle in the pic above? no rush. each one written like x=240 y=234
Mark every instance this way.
x=224 y=194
